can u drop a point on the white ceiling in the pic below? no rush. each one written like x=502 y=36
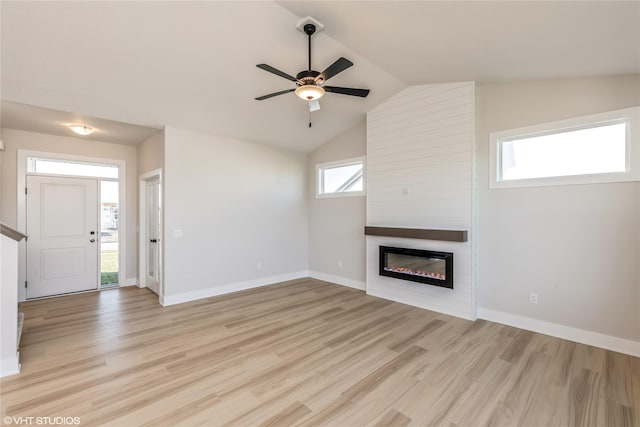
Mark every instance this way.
x=486 y=41
x=192 y=64
x=56 y=122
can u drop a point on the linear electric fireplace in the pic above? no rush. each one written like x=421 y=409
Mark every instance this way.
x=417 y=265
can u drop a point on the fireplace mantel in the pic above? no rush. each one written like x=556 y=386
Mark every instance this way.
x=418 y=233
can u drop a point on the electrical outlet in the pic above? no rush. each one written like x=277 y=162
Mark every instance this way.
x=533 y=298
x=259 y=266
x=340 y=264
x=404 y=191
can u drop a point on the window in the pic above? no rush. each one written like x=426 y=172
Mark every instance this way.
x=598 y=149
x=109 y=233
x=591 y=149
x=342 y=178
x=69 y=168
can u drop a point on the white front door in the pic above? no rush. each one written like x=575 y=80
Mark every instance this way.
x=152 y=268
x=62 y=230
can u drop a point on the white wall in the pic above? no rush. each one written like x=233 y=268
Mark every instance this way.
x=150 y=158
x=423 y=140
x=15 y=140
x=576 y=246
x=9 y=357
x=151 y=153
x=336 y=225
x=236 y=204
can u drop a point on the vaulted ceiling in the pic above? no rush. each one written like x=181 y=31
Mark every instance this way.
x=192 y=64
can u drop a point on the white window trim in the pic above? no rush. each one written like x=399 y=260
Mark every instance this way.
x=632 y=173
x=22 y=168
x=345 y=162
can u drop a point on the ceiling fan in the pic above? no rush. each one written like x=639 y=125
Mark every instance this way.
x=311 y=83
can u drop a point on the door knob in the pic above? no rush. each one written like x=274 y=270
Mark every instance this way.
x=92 y=240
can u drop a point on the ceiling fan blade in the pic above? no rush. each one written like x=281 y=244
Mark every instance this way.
x=339 y=66
x=271 y=95
x=277 y=72
x=347 y=91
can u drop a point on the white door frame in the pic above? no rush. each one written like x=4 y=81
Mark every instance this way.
x=23 y=155
x=142 y=227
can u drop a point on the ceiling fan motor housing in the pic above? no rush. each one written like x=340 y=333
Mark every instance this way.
x=308 y=76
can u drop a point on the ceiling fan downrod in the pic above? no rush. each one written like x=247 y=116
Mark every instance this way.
x=309 y=30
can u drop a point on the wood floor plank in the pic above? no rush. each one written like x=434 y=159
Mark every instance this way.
x=303 y=352
x=393 y=418
x=289 y=416
x=488 y=390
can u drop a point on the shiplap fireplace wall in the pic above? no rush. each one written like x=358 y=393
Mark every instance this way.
x=420 y=174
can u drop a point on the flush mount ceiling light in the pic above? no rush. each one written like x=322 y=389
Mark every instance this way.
x=309 y=92
x=81 y=129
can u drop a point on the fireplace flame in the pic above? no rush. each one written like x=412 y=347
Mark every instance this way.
x=405 y=270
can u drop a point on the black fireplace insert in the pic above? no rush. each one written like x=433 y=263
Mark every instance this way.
x=417 y=265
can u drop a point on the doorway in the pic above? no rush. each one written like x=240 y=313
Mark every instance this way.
x=62 y=225
x=51 y=187
x=151 y=231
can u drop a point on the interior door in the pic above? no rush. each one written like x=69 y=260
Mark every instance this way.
x=153 y=235
x=62 y=225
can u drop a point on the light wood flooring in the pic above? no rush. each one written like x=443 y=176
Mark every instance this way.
x=305 y=353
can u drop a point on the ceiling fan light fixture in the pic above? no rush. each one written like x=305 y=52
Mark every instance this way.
x=309 y=92
x=83 y=130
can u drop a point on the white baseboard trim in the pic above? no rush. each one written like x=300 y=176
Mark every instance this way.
x=582 y=336
x=168 y=300
x=10 y=366
x=414 y=303
x=356 y=284
x=129 y=281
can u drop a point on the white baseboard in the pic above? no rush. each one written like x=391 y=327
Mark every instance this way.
x=10 y=366
x=129 y=281
x=168 y=300
x=356 y=284
x=582 y=336
x=415 y=303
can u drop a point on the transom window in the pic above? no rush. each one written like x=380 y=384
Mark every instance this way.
x=342 y=178
x=590 y=149
x=69 y=168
